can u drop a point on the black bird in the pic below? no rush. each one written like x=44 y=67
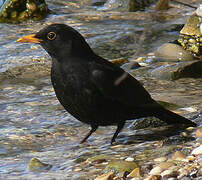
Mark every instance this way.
x=86 y=84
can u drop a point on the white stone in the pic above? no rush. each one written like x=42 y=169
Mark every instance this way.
x=130 y=159
x=160 y=159
x=197 y=151
x=199 y=10
x=156 y=171
x=166 y=172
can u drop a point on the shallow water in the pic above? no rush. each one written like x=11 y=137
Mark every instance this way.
x=34 y=124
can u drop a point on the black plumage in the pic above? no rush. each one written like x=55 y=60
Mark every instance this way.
x=85 y=83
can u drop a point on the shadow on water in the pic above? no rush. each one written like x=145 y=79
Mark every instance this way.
x=168 y=134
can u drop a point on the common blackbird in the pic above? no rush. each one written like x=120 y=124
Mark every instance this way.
x=86 y=84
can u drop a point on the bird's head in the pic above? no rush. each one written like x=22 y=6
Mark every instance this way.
x=59 y=40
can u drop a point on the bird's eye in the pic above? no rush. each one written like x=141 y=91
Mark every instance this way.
x=51 y=36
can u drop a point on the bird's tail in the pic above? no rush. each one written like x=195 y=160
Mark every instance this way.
x=173 y=118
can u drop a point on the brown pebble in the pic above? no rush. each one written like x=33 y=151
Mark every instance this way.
x=178 y=155
x=160 y=159
x=155 y=177
x=108 y=176
x=198 y=132
x=135 y=173
x=166 y=165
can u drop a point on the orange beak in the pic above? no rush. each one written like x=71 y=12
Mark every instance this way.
x=30 y=39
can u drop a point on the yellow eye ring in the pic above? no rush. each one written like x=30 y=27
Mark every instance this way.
x=51 y=35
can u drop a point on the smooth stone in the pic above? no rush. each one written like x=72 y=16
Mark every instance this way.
x=155 y=177
x=135 y=173
x=178 y=156
x=197 y=151
x=161 y=167
x=174 y=71
x=156 y=171
x=160 y=159
x=107 y=176
x=198 y=132
x=36 y=165
x=119 y=61
x=129 y=159
x=173 y=52
x=169 y=172
x=121 y=166
x=199 y=10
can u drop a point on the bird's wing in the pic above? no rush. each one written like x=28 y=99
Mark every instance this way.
x=129 y=91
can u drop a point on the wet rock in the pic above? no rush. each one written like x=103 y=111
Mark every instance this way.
x=135 y=173
x=169 y=173
x=80 y=176
x=36 y=165
x=199 y=132
x=27 y=72
x=172 y=52
x=17 y=10
x=160 y=159
x=98 y=158
x=161 y=167
x=175 y=71
x=190 y=37
x=155 y=177
x=197 y=151
x=178 y=156
x=119 y=61
x=108 y=176
x=121 y=166
x=129 y=159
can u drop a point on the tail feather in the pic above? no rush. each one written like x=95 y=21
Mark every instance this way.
x=173 y=118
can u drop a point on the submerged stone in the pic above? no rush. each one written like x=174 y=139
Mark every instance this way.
x=175 y=71
x=36 y=165
x=121 y=166
x=173 y=52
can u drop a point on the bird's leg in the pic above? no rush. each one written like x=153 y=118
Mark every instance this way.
x=93 y=129
x=118 y=130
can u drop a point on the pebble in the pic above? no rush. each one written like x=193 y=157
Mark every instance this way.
x=135 y=173
x=182 y=172
x=160 y=159
x=129 y=159
x=36 y=165
x=198 y=132
x=155 y=177
x=197 y=151
x=168 y=172
x=191 y=158
x=172 y=52
x=140 y=59
x=107 y=176
x=156 y=171
x=77 y=169
x=199 y=10
x=178 y=156
x=160 y=168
